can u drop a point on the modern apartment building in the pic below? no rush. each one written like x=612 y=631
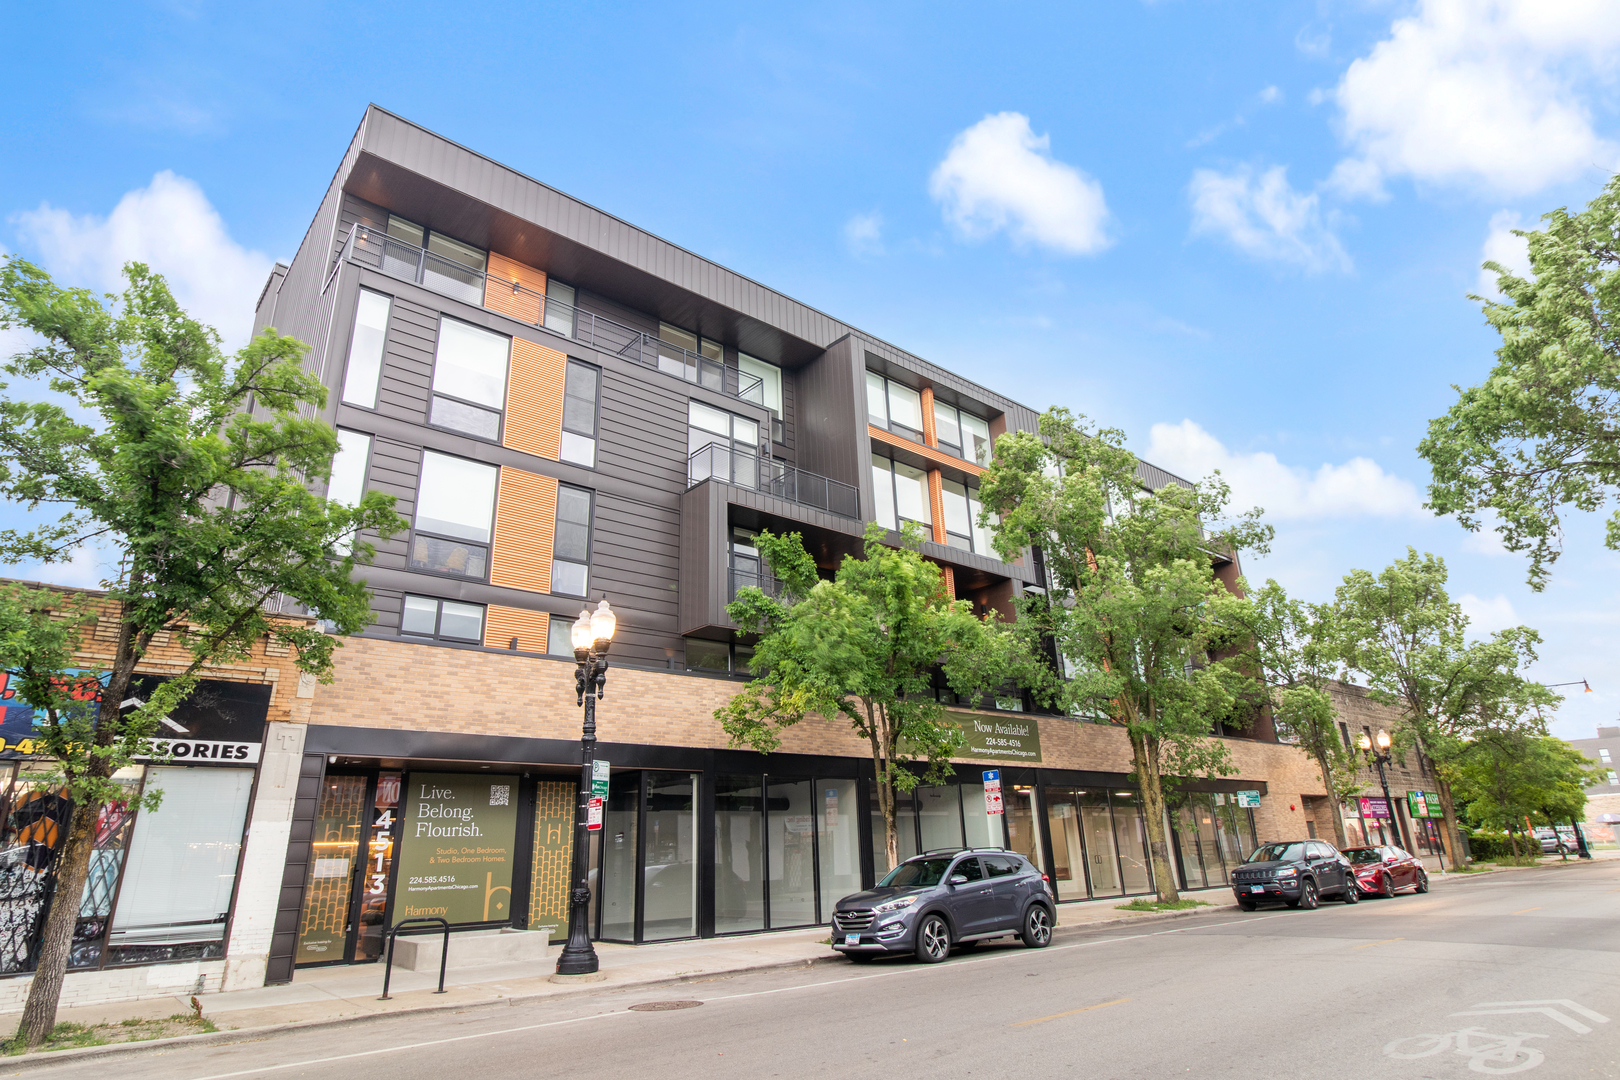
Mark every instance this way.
x=568 y=408
x=1603 y=798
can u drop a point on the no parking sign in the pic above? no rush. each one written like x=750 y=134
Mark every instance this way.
x=992 y=791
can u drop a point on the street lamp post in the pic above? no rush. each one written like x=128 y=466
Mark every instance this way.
x=591 y=635
x=1381 y=757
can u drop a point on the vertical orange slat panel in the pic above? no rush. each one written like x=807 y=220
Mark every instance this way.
x=500 y=296
x=534 y=399
x=502 y=624
x=930 y=433
x=936 y=499
x=525 y=521
x=949 y=582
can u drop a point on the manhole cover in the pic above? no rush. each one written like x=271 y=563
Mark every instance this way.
x=664 y=1006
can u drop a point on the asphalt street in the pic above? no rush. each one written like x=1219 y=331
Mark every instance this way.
x=1502 y=974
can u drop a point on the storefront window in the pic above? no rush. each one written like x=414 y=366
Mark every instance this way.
x=618 y=880
x=984 y=829
x=905 y=820
x=1130 y=833
x=671 y=862
x=840 y=846
x=36 y=823
x=791 y=843
x=939 y=813
x=1023 y=828
x=1063 y=823
x=739 y=845
x=176 y=894
x=1102 y=862
x=106 y=864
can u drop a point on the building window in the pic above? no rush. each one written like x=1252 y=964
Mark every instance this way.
x=688 y=359
x=1603 y=755
x=717 y=656
x=580 y=391
x=446 y=265
x=455 y=502
x=894 y=407
x=560 y=637
x=469 y=379
x=961 y=433
x=442 y=620
x=559 y=308
x=900 y=494
x=722 y=445
x=347 y=483
x=364 y=371
x=769 y=391
x=571 y=546
x=1613 y=779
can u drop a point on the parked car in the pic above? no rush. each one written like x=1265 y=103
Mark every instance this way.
x=1384 y=871
x=1299 y=873
x=1554 y=841
x=938 y=899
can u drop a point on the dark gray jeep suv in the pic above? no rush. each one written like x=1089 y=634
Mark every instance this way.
x=943 y=898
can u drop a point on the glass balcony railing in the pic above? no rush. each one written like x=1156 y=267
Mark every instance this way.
x=741 y=464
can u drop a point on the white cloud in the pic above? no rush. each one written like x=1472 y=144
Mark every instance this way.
x=863 y=234
x=1357 y=488
x=1265 y=217
x=172 y=227
x=1271 y=95
x=1501 y=246
x=1489 y=93
x=999 y=175
x=1488 y=615
x=1356 y=178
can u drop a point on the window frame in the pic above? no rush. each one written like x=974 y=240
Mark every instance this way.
x=894 y=497
x=438 y=620
x=500 y=414
x=382 y=358
x=778 y=416
x=571 y=305
x=487 y=545
x=590 y=543
x=596 y=416
x=890 y=425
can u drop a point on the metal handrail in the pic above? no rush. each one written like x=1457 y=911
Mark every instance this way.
x=760 y=578
x=744 y=466
x=393 y=936
x=402 y=259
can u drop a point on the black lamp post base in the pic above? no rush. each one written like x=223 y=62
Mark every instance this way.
x=575 y=962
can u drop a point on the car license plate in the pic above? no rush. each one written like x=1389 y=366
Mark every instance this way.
x=1257 y=888
x=852 y=939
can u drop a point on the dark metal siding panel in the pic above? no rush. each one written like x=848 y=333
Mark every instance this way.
x=643 y=432
x=831 y=437
x=635 y=557
x=407 y=375
x=395 y=469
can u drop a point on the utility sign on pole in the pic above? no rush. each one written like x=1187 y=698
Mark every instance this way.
x=593 y=814
x=992 y=792
x=599 y=778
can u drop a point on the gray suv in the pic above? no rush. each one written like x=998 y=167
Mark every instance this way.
x=943 y=898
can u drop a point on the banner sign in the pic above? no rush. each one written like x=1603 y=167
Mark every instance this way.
x=992 y=792
x=1248 y=799
x=1422 y=805
x=455 y=852
x=1375 y=807
x=998 y=736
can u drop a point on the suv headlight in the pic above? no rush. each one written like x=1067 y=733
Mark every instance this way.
x=895 y=905
x=1289 y=872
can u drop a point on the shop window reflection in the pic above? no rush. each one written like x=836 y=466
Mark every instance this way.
x=669 y=897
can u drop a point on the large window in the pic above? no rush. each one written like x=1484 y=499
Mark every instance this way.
x=455 y=503
x=961 y=433
x=580 y=391
x=722 y=445
x=347 y=483
x=571 y=546
x=435 y=260
x=559 y=307
x=560 y=637
x=962 y=528
x=445 y=620
x=364 y=372
x=469 y=379
x=900 y=494
x=894 y=407
x=687 y=360
x=769 y=391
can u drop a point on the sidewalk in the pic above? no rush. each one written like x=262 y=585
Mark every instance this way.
x=331 y=994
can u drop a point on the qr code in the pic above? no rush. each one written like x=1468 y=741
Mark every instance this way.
x=500 y=794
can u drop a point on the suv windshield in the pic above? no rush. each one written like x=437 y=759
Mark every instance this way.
x=1277 y=853
x=1364 y=855
x=911 y=875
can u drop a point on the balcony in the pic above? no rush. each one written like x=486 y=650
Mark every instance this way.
x=742 y=465
x=396 y=258
x=743 y=571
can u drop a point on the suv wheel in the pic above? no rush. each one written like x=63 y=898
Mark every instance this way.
x=933 y=940
x=1307 y=896
x=1037 y=932
x=1352 y=894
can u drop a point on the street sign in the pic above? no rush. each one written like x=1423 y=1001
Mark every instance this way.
x=599 y=779
x=992 y=792
x=1249 y=800
x=593 y=814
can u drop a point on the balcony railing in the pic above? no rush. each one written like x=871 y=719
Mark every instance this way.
x=742 y=465
x=371 y=247
x=743 y=571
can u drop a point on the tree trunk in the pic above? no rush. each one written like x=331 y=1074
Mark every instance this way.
x=1333 y=796
x=1147 y=774
x=72 y=868
x=1450 y=837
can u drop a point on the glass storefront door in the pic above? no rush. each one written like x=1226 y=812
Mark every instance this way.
x=1102 y=861
x=1068 y=854
x=1023 y=825
x=670 y=897
x=839 y=842
x=1130 y=833
x=790 y=844
x=334 y=870
x=739 y=854
x=616 y=887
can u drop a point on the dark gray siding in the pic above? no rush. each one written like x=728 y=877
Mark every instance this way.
x=832 y=418
x=395 y=468
x=407 y=375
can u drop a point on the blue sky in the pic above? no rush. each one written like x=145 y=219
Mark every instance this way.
x=1243 y=233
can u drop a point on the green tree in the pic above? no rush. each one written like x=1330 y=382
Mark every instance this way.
x=1511 y=776
x=1158 y=645
x=1542 y=432
x=192 y=467
x=864 y=645
x=1299 y=652
x=1404 y=634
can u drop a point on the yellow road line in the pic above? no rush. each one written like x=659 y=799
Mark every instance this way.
x=1386 y=941
x=1071 y=1012
x=1523 y=910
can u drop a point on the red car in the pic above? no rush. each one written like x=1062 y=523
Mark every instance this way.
x=1383 y=871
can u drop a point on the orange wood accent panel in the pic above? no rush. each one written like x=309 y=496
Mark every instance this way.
x=500 y=296
x=930 y=432
x=534 y=399
x=949 y=581
x=936 y=500
x=502 y=624
x=525 y=524
x=937 y=456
